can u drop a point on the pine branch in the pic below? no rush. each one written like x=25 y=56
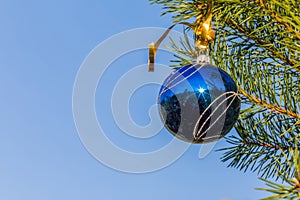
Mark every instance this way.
x=182 y=10
x=263 y=44
x=280 y=191
x=251 y=20
x=292 y=189
x=278 y=18
x=263 y=146
x=269 y=106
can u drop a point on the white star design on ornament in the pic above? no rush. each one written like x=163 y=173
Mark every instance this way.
x=201 y=90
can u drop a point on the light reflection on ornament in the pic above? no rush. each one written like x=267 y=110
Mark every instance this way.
x=201 y=90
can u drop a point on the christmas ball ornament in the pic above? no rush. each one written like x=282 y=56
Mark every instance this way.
x=199 y=103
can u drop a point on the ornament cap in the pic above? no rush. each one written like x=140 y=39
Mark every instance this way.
x=203 y=57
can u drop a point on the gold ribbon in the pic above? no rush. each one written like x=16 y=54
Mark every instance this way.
x=202 y=30
x=154 y=46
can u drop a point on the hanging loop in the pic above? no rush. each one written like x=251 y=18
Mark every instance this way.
x=154 y=46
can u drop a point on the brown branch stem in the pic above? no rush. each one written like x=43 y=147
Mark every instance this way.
x=270 y=146
x=269 y=106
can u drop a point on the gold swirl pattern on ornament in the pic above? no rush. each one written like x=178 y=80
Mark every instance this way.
x=233 y=94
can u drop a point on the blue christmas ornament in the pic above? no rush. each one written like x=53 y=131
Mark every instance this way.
x=199 y=103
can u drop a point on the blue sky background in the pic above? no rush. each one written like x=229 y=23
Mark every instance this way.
x=42 y=45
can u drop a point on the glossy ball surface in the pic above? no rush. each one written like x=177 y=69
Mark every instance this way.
x=199 y=103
